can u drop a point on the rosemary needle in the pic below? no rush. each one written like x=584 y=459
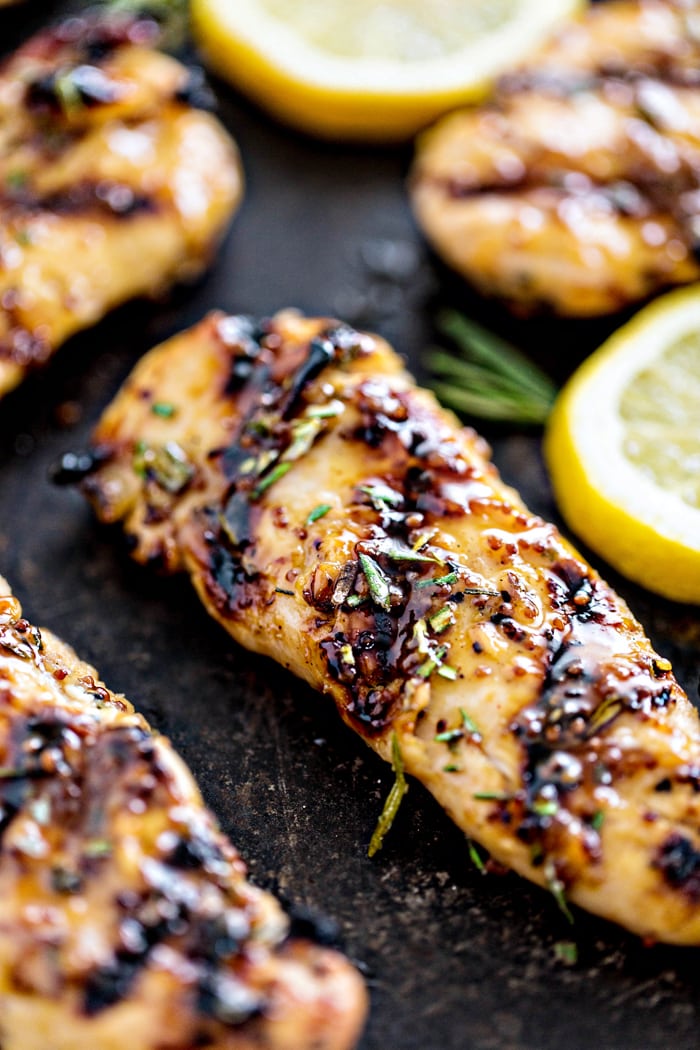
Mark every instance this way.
x=491 y=379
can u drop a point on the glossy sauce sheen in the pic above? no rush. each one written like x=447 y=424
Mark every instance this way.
x=112 y=183
x=334 y=517
x=576 y=187
x=125 y=915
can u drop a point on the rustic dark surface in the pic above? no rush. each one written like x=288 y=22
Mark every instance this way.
x=455 y=960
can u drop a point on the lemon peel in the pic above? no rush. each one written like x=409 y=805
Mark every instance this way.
x=367 y=70
x=623 y=448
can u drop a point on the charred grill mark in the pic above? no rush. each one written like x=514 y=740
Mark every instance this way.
x=195 y=92
x=679 y=863
x=74 y=467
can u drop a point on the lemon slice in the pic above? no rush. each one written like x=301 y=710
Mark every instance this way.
x=623 y=448
x=368 y=69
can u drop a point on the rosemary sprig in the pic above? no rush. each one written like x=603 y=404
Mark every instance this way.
x=491 y=379
x=393 y=801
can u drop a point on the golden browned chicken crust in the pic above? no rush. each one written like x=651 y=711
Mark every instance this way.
x=112 y=183
x=577 y=187
x=126 y=919
x=333 y=516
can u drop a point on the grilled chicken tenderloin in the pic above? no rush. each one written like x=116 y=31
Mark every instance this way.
x=125 y=915
x=334 y=517
x=112 y=183
x=577 y=186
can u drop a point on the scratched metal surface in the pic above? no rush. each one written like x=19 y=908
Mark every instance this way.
x=454 y=960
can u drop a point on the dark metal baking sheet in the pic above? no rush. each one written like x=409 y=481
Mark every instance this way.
x=454 y=960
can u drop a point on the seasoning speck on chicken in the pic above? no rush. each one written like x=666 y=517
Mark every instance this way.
x=577 y=186
x=125 y=914
x=112 y=185
x=449 y=625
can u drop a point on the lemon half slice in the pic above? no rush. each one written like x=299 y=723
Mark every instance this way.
x=623 y=448
x=368 y=69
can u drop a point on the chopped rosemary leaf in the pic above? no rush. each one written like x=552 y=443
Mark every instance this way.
x=393 y=801
x=492 y=796
x=491 y=379
x=98 y=848
x=597 y=820
x=330 y=411
x=353 y=600
x=164 y=409
x=438 y=581
x=264 y=484
x=377 y=582
x=451 y=768
x=445 y=671
x=545 y=807
x=449 y=736
x=442 y=619
x=318 y=512
x=482 y=590
x=68 y=92
x=281 y=590
x=469 y=722
x=476 y=858
x=304 y=433
x=556 y=888
x=382 y=494
x=566 y=952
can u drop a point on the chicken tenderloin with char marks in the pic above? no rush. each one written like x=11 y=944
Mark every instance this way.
x=577 y=186
x=126 y=918
x=113 y=184
x=334 y=517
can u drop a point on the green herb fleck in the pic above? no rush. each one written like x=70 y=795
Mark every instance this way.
x=377 y=582
x=451 y=768
x=449 y=736
x=597 y=820
x=476 y=857
x=330 y=411
x=442 y=619
x=163 y=409
x=556 y=888
x=304 y=433
x=265 y=483
x=347 y=655
x=167 y=465
x=394 y=798
x=445 y=671
x=68 y=92
x=566 y=952
x=545 y=807
x=98 y=848
x=382 y=495
x=318 y=512
x=493 y=796
x=438 y=581
x=24 y=237
x=282 y=590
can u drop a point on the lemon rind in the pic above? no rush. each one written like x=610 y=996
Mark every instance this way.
x=357 y=97
x=604 y=498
